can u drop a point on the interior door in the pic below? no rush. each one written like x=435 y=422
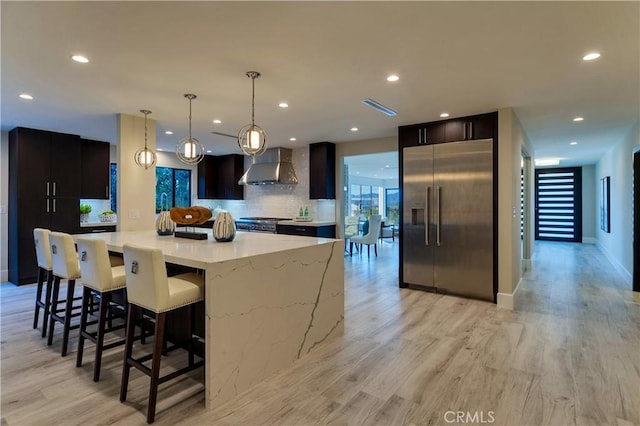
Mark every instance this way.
x=463 y=216
x=418 y=237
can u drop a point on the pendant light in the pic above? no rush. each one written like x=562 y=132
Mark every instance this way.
x=144 y=157
x=252 y=139
x=190 y=150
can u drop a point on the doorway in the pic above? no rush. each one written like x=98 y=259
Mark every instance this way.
x=558 y=204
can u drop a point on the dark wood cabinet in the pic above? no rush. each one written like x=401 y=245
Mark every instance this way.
x=322 y=171
x=44 y=191
x=483 y=126
x=218 y=177
x=326 y=231
x=95 y=169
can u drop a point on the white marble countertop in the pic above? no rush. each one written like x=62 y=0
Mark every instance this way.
x=92 y=224
x=199 y=253
x=301 y=223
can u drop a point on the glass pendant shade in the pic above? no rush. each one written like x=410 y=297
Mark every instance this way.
x=144 y=157
x=252 y=139
x=190 y=150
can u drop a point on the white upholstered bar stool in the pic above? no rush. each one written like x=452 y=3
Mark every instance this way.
x=149 y=287
x=65 y=265
x=100 y=277
x=45 y=270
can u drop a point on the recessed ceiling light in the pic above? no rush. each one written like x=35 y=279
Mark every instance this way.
x=387 y=166
x=573 y=143
x=292 y=139
x=80 y=58
x=216 y=121
x=444 y=115
x=354 y=129
x=591 y=56
x=578 y=119
x=168 y=132
x=26 y=96
x=283 y=105
x=393 y=77
x=208 y=151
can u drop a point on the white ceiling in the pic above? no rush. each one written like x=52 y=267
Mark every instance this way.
x=323 y=58
x=381 y=165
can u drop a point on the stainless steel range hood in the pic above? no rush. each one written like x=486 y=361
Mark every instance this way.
x=272 y=167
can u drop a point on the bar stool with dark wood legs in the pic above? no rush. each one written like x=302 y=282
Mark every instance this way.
x=99 y=277
x=43 y=256
x=149 y=287
x=64 y=261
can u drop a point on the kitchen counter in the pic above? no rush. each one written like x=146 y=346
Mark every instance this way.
x=269 y=300
x=312 y=223
x=93 y=224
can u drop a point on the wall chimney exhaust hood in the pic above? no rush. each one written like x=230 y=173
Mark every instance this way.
x=272 y=167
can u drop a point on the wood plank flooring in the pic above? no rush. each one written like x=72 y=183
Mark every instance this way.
x=569 y=354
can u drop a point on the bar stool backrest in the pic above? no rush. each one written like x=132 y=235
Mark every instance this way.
x=146 y=276
x=43 y=249
x=95 y=266
x=64 y=259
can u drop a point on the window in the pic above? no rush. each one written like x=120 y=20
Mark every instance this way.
x=114 y=187
x=364 y=200
x=392 y=205
x=176 y=183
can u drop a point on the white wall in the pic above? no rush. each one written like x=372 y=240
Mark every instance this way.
x=512 y=141
x=277 y=200
x=589 y=206
x=618 y=164
x=4 y=205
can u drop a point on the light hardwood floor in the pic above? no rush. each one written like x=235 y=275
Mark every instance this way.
x=569 y=354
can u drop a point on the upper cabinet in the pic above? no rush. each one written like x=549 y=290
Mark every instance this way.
x=322 y=170
x=483 y=126
x=94 y=169
x=218 y=177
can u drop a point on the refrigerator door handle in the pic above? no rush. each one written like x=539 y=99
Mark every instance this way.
x=438 y=218
x=426 y=216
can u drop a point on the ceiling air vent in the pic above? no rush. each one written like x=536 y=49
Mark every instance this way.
x=383 y=109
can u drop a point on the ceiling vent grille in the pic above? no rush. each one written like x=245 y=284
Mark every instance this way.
x=377 y=106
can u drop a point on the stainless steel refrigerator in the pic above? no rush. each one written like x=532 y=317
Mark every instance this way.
x=447 y=236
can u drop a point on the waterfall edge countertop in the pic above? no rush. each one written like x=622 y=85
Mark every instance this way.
x=269 y=300
x=197 y=253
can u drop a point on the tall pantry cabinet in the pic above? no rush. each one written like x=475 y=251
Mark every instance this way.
x=44 y=191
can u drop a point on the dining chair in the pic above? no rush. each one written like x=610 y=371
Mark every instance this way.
x=370 y=238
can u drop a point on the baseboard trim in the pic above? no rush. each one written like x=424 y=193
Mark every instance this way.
x=626 y=275
x=507 y=300
x=589 y=240
x=4 y=275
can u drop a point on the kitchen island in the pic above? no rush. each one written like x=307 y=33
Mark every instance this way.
x=269 y=300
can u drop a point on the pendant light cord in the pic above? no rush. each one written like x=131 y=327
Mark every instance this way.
x=253 y=101
x=190 y=119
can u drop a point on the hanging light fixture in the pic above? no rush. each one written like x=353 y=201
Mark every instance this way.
x=252 y=139
x=144 y=157
x=190 y=150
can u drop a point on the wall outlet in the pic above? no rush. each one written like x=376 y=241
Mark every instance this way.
x=134 y=214
x=3 y=209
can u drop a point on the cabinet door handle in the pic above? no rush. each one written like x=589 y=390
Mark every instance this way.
x=419 y=136
x=470 y=130
x=54 y=191
x=425 y=135
x=54 y=204
x=98 y=230
x=47 y=188
x=47 y=205
x=106 y=191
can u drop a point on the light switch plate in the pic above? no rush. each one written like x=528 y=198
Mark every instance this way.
x=134 y=214
x=3 y=209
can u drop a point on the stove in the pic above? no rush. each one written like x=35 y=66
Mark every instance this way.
x=258 y=224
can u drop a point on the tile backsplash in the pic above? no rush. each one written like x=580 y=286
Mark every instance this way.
x=278 y=200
